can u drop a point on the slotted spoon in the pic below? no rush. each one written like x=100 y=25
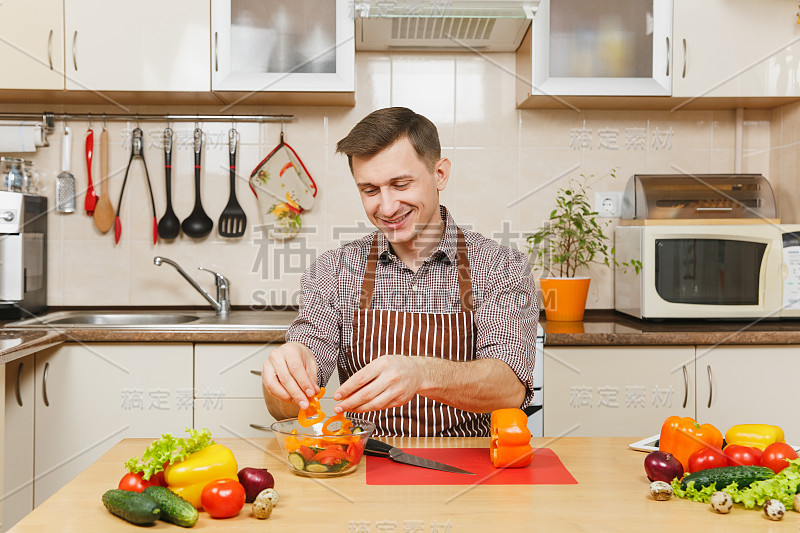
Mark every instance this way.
x=232 y=221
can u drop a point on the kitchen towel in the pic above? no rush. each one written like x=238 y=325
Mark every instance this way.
x=545 y=469
x=20 y=137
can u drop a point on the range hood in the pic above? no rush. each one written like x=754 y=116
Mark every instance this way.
x=442 y=25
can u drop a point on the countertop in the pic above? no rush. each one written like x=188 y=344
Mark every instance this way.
x=611 y=495
x=599 y=328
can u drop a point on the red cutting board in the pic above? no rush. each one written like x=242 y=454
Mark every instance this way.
x=545 y=469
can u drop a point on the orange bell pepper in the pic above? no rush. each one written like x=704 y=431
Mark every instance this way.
x=510 y=439
x=313 y=413
x=343 y=430
x=683 y=436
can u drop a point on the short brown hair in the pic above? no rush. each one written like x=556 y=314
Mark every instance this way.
x=382 y=128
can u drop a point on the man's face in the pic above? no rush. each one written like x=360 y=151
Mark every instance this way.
x=400 y=194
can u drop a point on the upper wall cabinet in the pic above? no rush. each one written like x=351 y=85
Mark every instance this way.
x=32 y=44
x=601 y=48
x=736 y=48
x=282 y=45
x=148 y=45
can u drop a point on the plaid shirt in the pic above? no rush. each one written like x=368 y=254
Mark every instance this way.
x=506 y=310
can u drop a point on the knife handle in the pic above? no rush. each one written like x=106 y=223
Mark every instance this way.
x=377 y=448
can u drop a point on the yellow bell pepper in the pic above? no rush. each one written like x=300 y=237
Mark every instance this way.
x=754 y=435
x=188 y=478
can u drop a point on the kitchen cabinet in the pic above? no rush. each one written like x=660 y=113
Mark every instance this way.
x=93 y=395
x=616 y=391
x=282 y=45
x=736 y=48
x=18 y=442
x=32 y=47
x=149 y=45
x=599 y=48
x=748 y=384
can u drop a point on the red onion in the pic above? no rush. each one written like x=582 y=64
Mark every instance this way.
x=661 y=466
x=254 y=480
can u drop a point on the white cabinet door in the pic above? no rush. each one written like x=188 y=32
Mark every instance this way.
x=735 y=48
x=243 y=418
x=93 y=395
x=282 y=45
x=749 y=384
x=149 y=45
x=32 y=44
x=230 y=370
x=613 y=391
x=18 y=441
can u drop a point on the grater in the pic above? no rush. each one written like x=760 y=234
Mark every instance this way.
x=65 y=182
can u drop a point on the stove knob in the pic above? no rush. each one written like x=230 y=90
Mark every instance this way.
x=8 y=216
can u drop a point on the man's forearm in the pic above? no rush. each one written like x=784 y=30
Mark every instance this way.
x=279 y=409
x=477 y=386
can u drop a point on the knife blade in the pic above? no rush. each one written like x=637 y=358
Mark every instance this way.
x=378 y=448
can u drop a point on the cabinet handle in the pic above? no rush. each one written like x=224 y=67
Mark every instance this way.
x=667 y=56
x=256 y=372
x=259 y=426
x=19 y=378
x=710 y=386
x=50 y=49
x=44 y=384
x=216 y=51
x=74 y=54
x=685 y=386
x=685 y=59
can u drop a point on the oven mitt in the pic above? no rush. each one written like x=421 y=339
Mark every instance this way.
x=284 y=189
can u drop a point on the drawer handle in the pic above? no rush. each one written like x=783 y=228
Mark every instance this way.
x=260 y=427
x=19 y=377
x=685 y=386
x=44 y=384
x=256 y=372
x=710 y=386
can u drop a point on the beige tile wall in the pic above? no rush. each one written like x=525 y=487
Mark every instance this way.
x=507 y=166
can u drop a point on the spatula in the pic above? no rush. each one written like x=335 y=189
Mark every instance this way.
x=103 y=210
x=232 y=221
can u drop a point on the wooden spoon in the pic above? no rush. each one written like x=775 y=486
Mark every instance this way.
x=104 y=211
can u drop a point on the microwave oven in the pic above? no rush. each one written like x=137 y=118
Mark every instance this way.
x=711 y=271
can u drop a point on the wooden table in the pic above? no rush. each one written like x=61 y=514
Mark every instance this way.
x=611 y=495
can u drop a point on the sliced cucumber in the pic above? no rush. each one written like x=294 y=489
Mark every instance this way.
x=356 y=429
x=316 y=467
x=297 y=460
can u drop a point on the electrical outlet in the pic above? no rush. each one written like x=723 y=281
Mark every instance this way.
x=608 y=204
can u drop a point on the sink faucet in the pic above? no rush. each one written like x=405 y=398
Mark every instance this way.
x=223 y=302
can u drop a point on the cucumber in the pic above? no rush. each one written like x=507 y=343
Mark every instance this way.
x=135 y=507
x=356 y=429
x=744 y=476
x=173 y=508
x=297 y=461
x=317 y=467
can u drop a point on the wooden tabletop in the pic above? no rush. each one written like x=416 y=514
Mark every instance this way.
x=611 y=495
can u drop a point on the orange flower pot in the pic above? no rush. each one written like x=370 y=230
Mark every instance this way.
x=564 y=298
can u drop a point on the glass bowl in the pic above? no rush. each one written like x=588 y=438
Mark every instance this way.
x=310 y=453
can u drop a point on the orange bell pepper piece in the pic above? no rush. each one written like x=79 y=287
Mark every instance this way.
x=313 y=413
x=343 y=430
x=510 y=439
x=683 y=436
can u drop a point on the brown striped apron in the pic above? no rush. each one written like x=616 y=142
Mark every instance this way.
x=378 y=332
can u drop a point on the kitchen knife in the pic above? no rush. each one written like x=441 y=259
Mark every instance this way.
x=377 y=448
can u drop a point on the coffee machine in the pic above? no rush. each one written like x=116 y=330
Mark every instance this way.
x=23 y=254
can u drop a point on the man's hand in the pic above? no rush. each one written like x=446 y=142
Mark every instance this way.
x=389 y=381
x=290 y=374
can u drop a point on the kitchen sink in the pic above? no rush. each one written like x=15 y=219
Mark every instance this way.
x=194 y=320
x=121 y=319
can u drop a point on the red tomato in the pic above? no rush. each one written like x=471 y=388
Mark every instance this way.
x=742 y=455
x=158 y=479
x=776 y=455
x=707 y=458
x=223 y=498
x=134 y=482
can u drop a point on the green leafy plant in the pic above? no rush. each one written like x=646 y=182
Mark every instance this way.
x=572 y=238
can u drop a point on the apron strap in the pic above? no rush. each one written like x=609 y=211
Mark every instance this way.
x=464 y=279
x=368 y=284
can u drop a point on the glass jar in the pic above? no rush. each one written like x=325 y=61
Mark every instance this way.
x=30 y=178
x=12 y=173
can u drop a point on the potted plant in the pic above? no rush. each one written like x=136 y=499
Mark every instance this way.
x=565 y=246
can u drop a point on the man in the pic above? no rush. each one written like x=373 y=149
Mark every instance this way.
x=431 y=327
